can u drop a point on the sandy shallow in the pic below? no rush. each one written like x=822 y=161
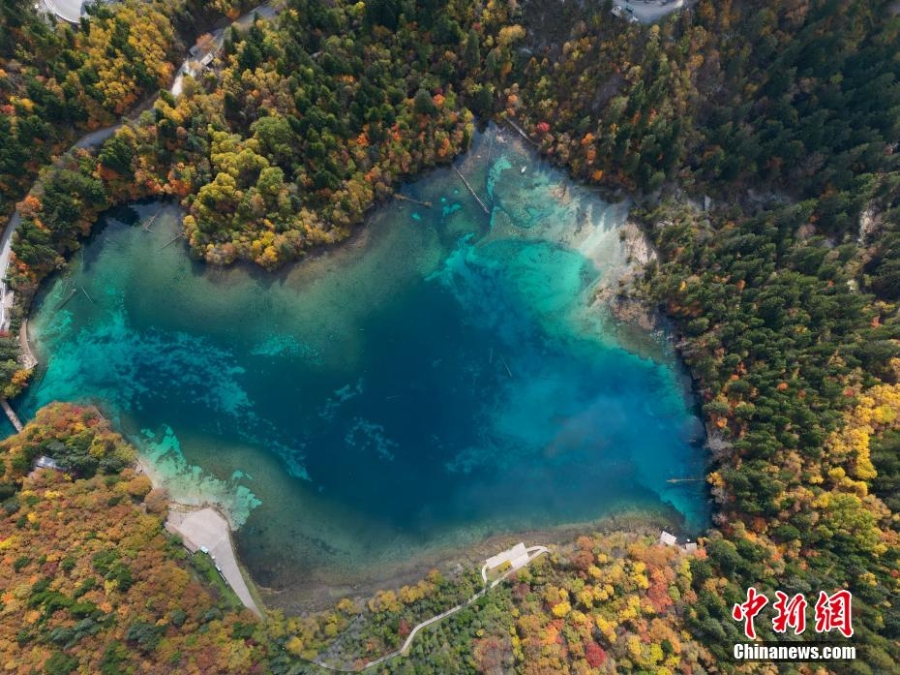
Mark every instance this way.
x=206 y=528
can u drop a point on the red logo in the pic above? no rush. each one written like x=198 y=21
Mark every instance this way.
x=832 y=612
x=791 y=613
x=747 y=611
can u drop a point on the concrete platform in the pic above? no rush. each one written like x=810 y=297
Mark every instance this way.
x=207 y=528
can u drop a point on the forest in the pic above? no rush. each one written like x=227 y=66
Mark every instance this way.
x=759 y=142
x=89 y=581
x=57 y=81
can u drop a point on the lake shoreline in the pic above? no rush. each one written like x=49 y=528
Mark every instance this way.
x=450 y=561
x=408 y=555
x=311 y=595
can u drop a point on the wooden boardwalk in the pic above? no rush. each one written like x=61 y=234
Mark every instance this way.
x=11 y=414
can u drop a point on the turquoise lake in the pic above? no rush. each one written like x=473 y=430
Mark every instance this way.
x=444 y=376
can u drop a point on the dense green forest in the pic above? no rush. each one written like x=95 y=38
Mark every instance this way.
x=304 y=126
x=783 y=289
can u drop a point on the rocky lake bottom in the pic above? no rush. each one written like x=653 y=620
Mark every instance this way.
x=445 y=376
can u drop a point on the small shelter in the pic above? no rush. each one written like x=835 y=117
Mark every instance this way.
x=44 y=462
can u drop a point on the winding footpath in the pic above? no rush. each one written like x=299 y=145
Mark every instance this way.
x=647 y=12
x=533 y=552
x=205 y=528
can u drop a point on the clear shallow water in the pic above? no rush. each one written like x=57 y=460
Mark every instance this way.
x=443 y=377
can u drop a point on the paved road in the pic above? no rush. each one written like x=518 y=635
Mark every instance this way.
x=651 y=11
x=93 y=140
x=67 y=10
x=207 y=527
x=6 y=296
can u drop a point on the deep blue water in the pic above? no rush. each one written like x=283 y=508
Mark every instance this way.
x=445 y=376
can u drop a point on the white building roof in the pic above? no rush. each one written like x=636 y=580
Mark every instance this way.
x=513 y=556
x=667 y=539
x=520 y=561
x=44 y=462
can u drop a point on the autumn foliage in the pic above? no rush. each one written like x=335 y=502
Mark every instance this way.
x=89 y=581
x=57 y=81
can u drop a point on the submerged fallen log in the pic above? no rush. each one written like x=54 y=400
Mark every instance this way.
x=471 y=191
x=413 y=201
x=521 y=131
x=150 y=222
x=11 y=414
x=66 y=301
x=172 y=241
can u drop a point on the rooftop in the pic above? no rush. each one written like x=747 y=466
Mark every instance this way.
x=44 y=462
x=516 y=554
x=667 y=539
